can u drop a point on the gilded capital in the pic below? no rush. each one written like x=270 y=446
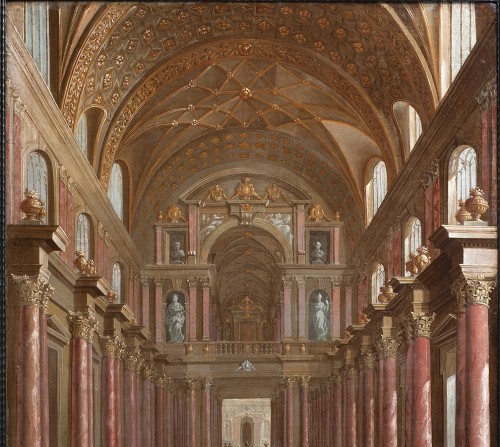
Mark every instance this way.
x=390 y=346
x=349 y=371
x=304 y=381
x=192 y=383
x=300 y=280
x=32 y=291
x=459 y=289
x=83 y=324
x=367 y=359
x=192 y=282
x=145 y=281
x=133 y=360
x=148 y=371
x=112 y=346
x=287 y=281
x=207 y=382
x=288 y=381
x=336 y=379
x=205 y=282
x=478 y=290
x=158 y=282
x=422 y=324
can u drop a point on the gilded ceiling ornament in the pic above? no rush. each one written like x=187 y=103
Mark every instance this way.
x=216 y=193
x=316 y=213
x=274 y=193
x=174 y=214
x=245 y=190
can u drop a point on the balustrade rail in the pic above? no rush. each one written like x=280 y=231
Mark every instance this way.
x=231 y=348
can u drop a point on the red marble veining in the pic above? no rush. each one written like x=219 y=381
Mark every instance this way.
x=146 y=414
x=397 y=252
x=287 y=309
x=300 y=232
x=390 y=410
x=409 y=394
x=206 y=312
x=192 y=313
x=80 y=390
x=90 y=395
x=350 y=415
x=368 y=405
x=108 y=402
x=348 y=306
x=289 y=415
x=17 y=215
x=207 y=429
x=461 y=380
x=493 y=195
x=145 y=305
x=191 y=412
x=44 y=381
x=477 y=416
x=152 y=412
x=304 y=408
x=336 y=245
x=63 y=210
x=131 y=398
x=192 y=232
x=302 y=310
x=335 y=312
x=337 y=416
x=118 y=400
x=29 y=421
x=380 y=403
x=422 y=424
x=159 y=314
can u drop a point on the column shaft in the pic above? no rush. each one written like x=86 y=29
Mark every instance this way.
x=380 y=402
x=461 y=380
x=79 y=393
x=337 y=415
x=207 y=428
x=131 y=410
x=351 y=432
x=191 y=414
x=108 y=425
x=90 y=394
x=192 y=311
x=422 y=424
x=289 y=415
x=206 y=311
x=368 y=408
x=409 y=394
x=44 y=381
x=390 y=405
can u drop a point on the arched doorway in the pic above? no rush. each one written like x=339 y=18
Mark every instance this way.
x=247 y=431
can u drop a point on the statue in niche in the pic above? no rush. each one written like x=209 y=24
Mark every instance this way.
x=317 y=255
x=175 y=320
x=177 y=255
x=245 y=190
x=228 y=430
x=318 y=316
x=216 y=193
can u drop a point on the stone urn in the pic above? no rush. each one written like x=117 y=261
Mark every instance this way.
x=386 y=294
x=422 y=260
x=463 y=214
x=476 y=204
x=80 y=262
x=33 y=206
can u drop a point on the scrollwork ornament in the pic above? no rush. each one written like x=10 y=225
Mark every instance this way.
x=422 y=324
x=478 y=290
x=32 y=290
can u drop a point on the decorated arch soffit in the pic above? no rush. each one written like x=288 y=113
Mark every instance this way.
x=323 y=74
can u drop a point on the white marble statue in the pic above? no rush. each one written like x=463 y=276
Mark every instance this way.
x=282 y=223
x=318 y=317
x=175 y=320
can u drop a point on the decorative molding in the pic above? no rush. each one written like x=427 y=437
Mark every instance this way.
x=300 y=280
x=133 y=360
x=487 y=94
x=422 y=324
x=192 y=282
x=83 y=324
x=63 y=174
x=32 y=291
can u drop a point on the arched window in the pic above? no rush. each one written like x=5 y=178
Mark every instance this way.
x=462 y=177
x=413 y=237
x=376 y=188
x=414 y=127
x=115 y=190
x=36 y=37
x=37 y=177
x=81 y=134
x=458 y=37
x=83 y=235
x=116 y=280
x=378 y=279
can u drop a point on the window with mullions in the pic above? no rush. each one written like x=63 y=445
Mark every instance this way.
x=115 y=190
x=36 y=37
x=462 y=177
x=116 y=280
x=37 y=177
x=83 y=235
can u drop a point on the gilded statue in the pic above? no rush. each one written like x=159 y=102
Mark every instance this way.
x=216 y=193
x=274 y=192
x=245 y=190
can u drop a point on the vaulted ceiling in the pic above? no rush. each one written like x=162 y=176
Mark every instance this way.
x=298 y=90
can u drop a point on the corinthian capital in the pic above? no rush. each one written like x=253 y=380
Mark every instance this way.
x=459 y=289
x=207 y=382
x=390 y=346
x=192 y=282
x=300 y=280
x=422 y=324
x=478 y=290
x=83 y=324
x=192 y=383
x=349 y=371
x=367 y=359
x=133 y=360
x=288 y=381
x=336 y=379
x=112 y=346
x=32 y=290
x=303 y=381
x=287 y=281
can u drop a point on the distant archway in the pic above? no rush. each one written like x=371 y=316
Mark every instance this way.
x=247 y=431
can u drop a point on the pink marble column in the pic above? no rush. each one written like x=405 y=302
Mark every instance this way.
x=118 y=396
x=302 y=323
x=160 y=405
x=287 y=307
x=158 y=245
x=169 y=415
x=132 y=363
x=145 y=302
x=461 y=378
x=335 y=310
x=477 y=415
x=44 y=374
x=337 y=410
x=348 y=302
x=336 y=245
x=159 y=311
x=328 y=413
x=193 y=282
x=90 y=396
x=191 y=412
x=350 y=398
x=421 y=414
x=380 y=395
x=205 y=284
x=390 y=396
x=409 y=384
x=28 y=415
x=110 y=388
x=359 y=388
x=206 y=422
x=83 y=325
x=146 y=407
x=368 y=400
